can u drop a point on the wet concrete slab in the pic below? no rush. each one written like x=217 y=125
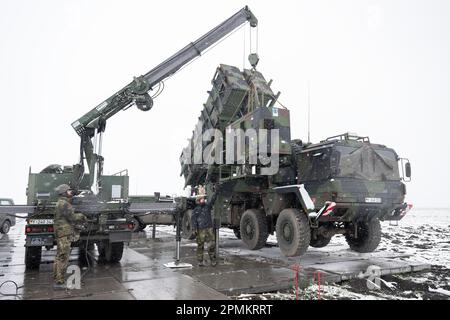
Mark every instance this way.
x=141 y=274
x=177 y=286
x=248 y=281
x=137 y=276
x=89 y=288
x=267 y=270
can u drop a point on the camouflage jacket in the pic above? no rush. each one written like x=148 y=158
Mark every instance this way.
x=201 y=216
x=65 y=218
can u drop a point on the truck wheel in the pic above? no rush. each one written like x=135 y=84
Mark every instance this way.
x=110 y=252
x=319 y=242
x=85 y=247
x=253 y=229
x=114 y=252
x=186 y=226
x=368 y=236
x=101 y=250
x=6 y=226
x=33 y=257
x=237 y=233
x=293 y=232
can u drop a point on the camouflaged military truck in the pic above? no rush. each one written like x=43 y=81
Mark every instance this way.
x=344 y=185
x=110 y=223
x=362 y=182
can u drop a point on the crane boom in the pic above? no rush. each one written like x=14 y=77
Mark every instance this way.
x=136 y=92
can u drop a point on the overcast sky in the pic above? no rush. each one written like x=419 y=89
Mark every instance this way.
x=376 y=68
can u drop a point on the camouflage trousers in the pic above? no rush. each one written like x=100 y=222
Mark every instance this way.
x=62 y=258
x=206 y=236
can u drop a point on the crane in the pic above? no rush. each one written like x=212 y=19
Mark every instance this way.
x=90 y=127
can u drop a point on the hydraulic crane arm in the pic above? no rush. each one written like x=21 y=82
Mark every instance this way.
x=136 y=92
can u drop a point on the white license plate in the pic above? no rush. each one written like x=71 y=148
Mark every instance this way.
x=37 y=241
x=41 y=221
x=373 y=200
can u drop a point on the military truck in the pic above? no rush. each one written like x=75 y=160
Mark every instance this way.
x=110 y=223
x=343 y=185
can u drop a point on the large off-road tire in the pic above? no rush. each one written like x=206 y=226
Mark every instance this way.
x=101 y=250
x=85 y=249
x=320 y=241
x=110 y=252
x=186 y=226
x=293 y=232
x=86 y=246
x=114 y=252
x=253 y=229
x=33 y=257
x=237 y=233
x=6 y=226
x=368 y=236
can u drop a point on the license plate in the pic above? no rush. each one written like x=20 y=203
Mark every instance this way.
x=40 y=221
x=373 y=200
x=37 y=241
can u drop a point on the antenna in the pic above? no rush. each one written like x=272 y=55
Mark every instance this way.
x=309 y=114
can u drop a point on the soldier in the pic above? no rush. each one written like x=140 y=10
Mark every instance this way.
x=203 y=226
x=65 y=218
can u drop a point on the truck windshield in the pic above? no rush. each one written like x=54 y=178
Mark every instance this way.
x=316 y=165
x=366 y=162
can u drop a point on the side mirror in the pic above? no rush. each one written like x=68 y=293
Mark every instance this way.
x=405 y=166
x=408 y=170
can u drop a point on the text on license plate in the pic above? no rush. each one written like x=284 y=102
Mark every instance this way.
x=41 y=221
x=37 y=241
x=373 y=200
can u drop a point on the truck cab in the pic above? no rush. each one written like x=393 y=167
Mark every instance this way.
x=363 y=179
x=356 y=184
x=110 y=223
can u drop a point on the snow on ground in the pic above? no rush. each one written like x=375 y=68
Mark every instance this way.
x=423 y=233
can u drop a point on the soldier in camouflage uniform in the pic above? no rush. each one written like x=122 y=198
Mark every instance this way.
x=65 y=218
x=203 y=226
